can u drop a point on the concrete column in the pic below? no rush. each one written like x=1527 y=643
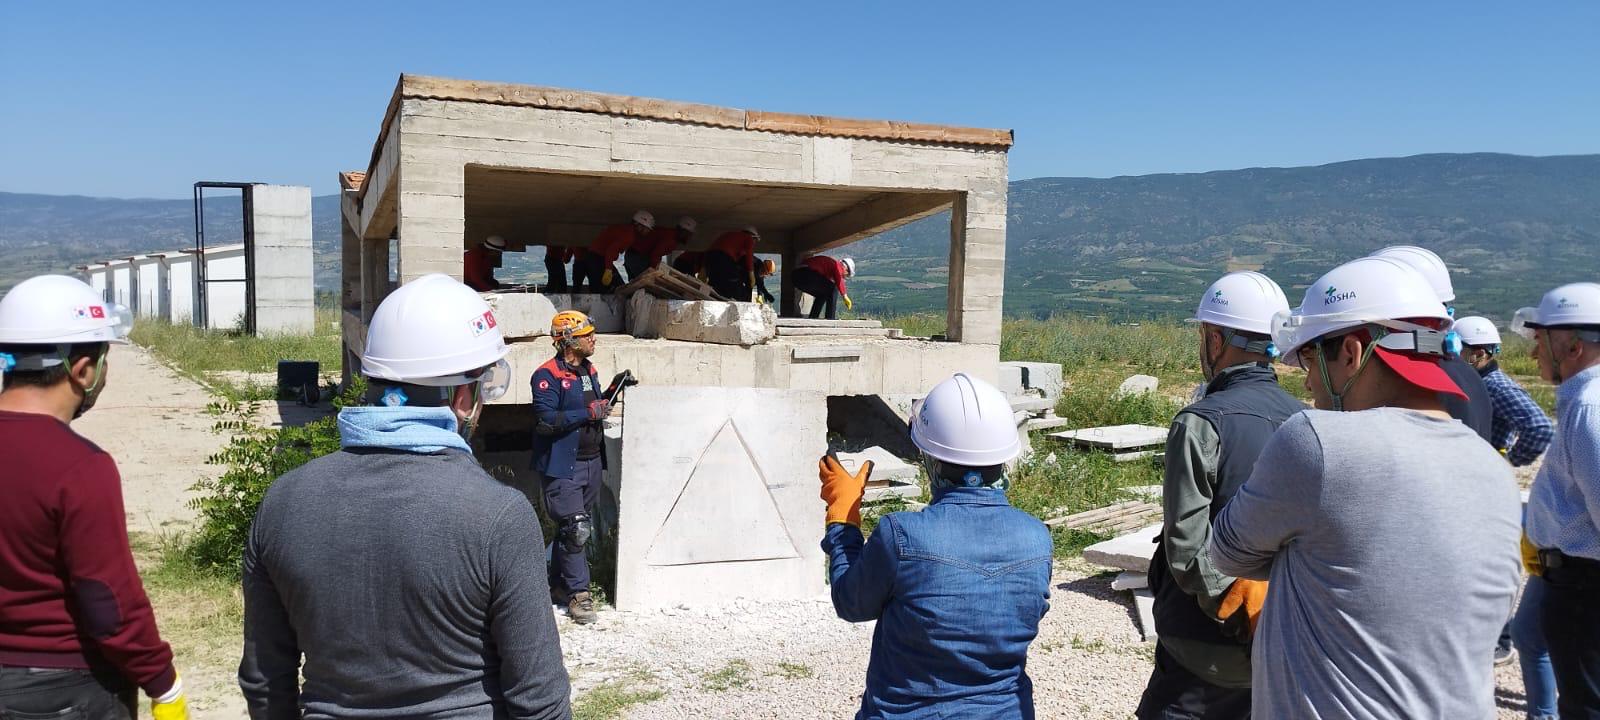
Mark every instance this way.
x=432 y=213
x=374 y=276
x=977 y=266
x=285 y=295
x=786 y=292
x=349 y=267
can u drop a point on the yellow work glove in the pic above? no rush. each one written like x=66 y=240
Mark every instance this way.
x=605 y=277
x=1530 y=557
x=847 y=304
x=1241 y=608
x=171 y=706
x=842 y=491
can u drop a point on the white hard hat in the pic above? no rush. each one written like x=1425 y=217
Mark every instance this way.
x=1572 y=305
x=1246 y=301
x=1426 y=262
x=1477 y=330
x=752 y=230
x=965 y=421
x=849 y=267
x=495 y=242
x=58 y=310
x=687 y=223
x=434 y=331
x=1369 y=290
x=643 y=217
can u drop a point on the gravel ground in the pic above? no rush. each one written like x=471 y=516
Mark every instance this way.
x=797 y=660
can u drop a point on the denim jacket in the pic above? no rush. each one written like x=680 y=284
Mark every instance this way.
x=958 y=590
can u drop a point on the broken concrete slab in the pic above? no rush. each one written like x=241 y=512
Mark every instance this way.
x=1048 y=422
x=892 y=489
x=1144 y=606
x=527 y=314
x=885 y=465
x=826 y=352
x=1136 y=385
x=784 y=322
x=1011 y=380
x=1130 y=580
x=713 y=321
x=1032 y=378
x=720 y=503
x=1116 y=437
x=1031 y=405
x=1126 y=552
x=829 y=331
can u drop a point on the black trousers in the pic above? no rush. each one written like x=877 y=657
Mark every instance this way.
x=1571 y=614
x=557 y=270
x=591 y=268
x=825 y=296
x=727 y=277
x=635 y=263
x=30 y=693
x=563 y=499
x=1174 y=693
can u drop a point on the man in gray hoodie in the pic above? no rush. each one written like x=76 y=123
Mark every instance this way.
x=1388 y=531
x=406 y=577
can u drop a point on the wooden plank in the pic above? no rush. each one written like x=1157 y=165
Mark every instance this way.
x=1113 y=519
x=665 y=282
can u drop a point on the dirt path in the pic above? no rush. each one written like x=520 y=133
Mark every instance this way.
x=154 y=423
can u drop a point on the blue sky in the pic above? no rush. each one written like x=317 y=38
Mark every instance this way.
x=141 y=99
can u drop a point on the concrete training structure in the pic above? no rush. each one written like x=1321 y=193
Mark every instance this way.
x=281 y=294
x=456 y=161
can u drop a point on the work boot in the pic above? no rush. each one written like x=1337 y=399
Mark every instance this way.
x=581 y=608
x=1504 y=656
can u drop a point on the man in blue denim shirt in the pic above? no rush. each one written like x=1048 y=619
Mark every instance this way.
x=957 y=589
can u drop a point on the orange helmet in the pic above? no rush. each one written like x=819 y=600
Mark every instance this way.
x=570 y=324
x=768 y=267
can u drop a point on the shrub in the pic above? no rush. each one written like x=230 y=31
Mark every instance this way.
x=255 y=457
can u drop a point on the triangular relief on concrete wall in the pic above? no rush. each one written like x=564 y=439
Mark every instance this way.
x=725 y=513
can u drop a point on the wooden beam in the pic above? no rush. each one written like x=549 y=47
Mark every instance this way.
x=878 y=214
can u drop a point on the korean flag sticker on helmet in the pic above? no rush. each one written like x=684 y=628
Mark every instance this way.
x=482 y=324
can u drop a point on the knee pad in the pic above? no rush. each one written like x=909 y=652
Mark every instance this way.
x=575 y=532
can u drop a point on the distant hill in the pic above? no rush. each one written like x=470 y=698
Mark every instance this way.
x=1127 y=247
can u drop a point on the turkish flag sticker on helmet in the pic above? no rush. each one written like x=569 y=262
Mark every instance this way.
x=1423 y=372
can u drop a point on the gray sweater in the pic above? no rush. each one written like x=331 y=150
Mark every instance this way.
x=413 y=585
x=1390 y=539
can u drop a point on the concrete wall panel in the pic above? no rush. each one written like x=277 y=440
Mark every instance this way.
x=720 y=503
x=285 y=293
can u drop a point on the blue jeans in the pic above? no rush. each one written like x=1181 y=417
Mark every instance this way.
x=1527 y=633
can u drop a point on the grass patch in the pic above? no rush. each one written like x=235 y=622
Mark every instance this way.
x=736 y=675
x=222 y=359
x=200 y=613
x=793 y=671
x=609 y=699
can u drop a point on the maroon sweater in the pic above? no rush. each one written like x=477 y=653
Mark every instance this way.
x=69 y=593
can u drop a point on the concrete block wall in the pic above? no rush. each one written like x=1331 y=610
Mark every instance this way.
x=224 y=300
x=150 y=281
x=180 y=287
x=285 y=294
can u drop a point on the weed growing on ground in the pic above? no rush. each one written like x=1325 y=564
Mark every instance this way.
x=609 y=699
x=205 y=355
x=254 y=457
x=736 y=675
x=793 y=671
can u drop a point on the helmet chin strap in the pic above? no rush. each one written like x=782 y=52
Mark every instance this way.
x=1327 y=380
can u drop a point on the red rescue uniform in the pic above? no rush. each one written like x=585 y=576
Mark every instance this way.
x=612 y=242
x=477 y=269
x=738 y=245
x=829 y=268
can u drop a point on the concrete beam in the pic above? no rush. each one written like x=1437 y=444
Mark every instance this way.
x=879 y=214
x=378 y=193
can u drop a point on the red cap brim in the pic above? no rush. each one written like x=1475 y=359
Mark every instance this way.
x=1424 y=372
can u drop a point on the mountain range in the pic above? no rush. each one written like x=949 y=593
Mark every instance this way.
x=1125 y=247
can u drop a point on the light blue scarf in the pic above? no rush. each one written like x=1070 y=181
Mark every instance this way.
x=412 y=429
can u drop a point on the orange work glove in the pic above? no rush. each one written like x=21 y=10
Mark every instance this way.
x=842 y=491
x=1241 y=608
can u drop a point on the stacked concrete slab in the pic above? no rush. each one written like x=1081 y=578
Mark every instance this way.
x=527 y=315
x=719 y=502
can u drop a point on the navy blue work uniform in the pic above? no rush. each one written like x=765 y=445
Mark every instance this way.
x=569 y=455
